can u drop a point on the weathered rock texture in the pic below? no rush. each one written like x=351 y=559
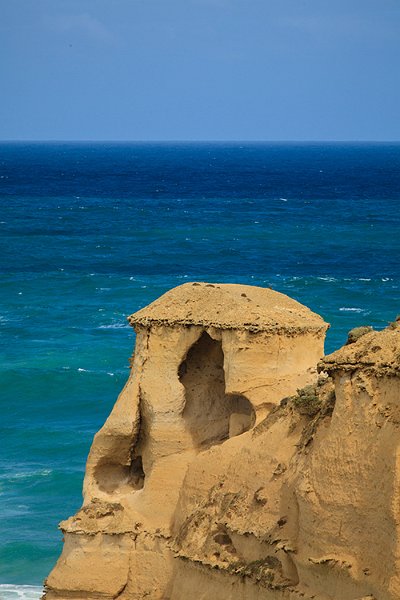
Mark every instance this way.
x=229 y=470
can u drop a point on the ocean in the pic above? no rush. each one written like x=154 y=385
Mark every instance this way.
x=91 y=232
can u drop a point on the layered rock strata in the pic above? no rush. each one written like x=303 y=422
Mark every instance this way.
x=229 y=469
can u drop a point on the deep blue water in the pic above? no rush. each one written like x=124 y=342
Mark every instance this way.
x=92 y=232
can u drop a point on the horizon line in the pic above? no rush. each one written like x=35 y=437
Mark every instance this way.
x=196 y=141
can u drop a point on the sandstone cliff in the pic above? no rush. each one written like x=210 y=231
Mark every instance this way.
x=229 y=469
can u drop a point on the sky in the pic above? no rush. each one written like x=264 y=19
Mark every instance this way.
x=154 y=70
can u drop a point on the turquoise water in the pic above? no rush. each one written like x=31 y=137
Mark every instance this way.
x=16 y=592
x=93 y=232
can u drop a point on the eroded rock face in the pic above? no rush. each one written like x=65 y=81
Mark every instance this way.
x=229 y=469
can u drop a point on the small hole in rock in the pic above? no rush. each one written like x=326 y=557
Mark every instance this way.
x=223 y=539
x=137 y=473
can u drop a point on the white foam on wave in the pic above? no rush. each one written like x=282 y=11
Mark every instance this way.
x=30 y=475
x=115 y=326
x=330 y=279
x=23 y=592
x=351 y=309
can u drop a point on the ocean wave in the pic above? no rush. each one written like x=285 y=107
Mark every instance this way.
x=27 y=475
x=331 y=279
x=25 y=592
x=114 y=326
x=351 y=309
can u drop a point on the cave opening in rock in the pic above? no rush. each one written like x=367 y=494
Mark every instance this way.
x=111 y=476
x=211 y=414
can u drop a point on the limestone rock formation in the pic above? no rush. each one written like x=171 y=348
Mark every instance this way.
x=229 y=469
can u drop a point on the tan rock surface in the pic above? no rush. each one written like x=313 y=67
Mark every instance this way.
x=376 y=352
x=229 y=470
x=229 y=306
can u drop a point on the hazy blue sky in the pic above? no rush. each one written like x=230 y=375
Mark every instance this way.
x=200 y=69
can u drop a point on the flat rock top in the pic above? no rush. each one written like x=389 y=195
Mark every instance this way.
x=378 y=351
x=229 y=306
